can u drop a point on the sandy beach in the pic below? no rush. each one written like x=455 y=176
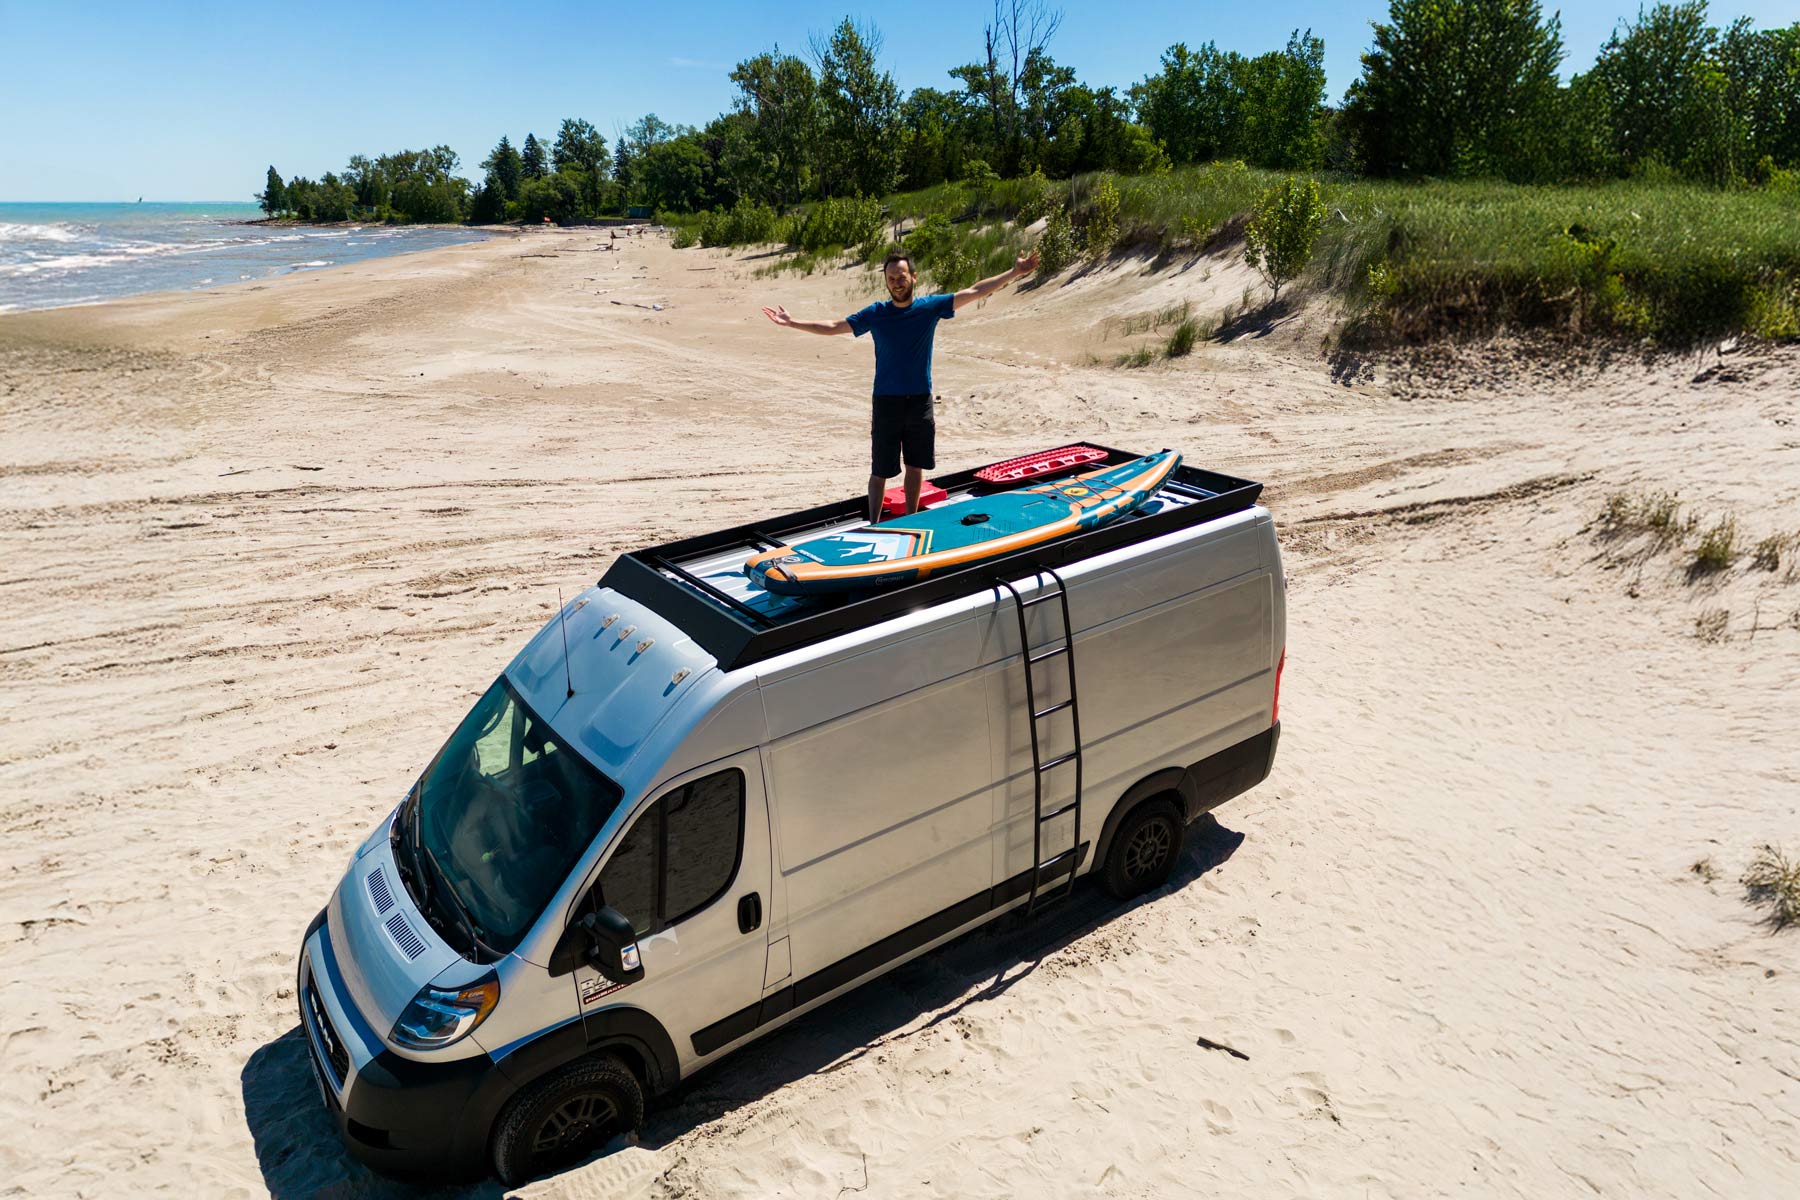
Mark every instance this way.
x=1479 y=934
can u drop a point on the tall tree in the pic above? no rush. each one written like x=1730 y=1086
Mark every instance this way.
x=532 y=158
x=862 y=113
x=636 y=142
x=1194 y=105
x=781 y=96
x=507 y=168
x=1458 y=87
x=935 y=128
x=1284 y=101
x=674 y=173
x=1678 y=93
x=1764 y=70
x=1016 y=31
x=369 y=183
x=579 y=144
x=273 y=197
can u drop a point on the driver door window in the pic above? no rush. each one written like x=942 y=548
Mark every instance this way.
x=680 y=856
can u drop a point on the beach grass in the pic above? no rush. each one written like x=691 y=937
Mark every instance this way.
x=1668 y=263
x=1772 y=880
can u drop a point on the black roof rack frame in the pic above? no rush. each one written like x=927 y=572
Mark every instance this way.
x=737 y=635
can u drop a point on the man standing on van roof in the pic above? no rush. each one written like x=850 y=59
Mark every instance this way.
x=903 y=425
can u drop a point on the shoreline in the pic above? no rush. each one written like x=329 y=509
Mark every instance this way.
x=481 y=234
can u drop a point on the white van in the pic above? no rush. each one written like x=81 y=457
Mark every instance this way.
x=689 y=811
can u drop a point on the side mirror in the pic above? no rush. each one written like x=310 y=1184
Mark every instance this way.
x=604 y=941
x=612 y=948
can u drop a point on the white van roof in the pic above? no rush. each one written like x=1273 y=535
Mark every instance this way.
x=698 y=582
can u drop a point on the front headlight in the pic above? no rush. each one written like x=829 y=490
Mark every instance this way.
x=438 y=1017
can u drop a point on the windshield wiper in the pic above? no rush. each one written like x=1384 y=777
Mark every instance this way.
x=400 y=842
x=453 y=905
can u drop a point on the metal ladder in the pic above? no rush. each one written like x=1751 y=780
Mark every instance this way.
x=1056 y=866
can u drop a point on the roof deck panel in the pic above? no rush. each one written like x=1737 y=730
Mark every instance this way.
x=699 y=582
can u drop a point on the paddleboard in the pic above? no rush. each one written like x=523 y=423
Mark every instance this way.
x=959 y=534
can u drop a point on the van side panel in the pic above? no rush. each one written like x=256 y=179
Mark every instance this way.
x=1175 y=661
x=885 y=814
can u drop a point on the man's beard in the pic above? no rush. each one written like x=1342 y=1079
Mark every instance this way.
x=903 y=294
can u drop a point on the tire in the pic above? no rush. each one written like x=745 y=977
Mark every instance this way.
x=564 y=1117
x=1143 y=852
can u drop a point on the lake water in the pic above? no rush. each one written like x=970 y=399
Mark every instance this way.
x=58 y=254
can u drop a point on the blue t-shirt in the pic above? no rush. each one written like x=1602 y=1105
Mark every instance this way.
x=903 y=341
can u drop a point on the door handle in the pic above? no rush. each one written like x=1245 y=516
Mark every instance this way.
x=749 y=913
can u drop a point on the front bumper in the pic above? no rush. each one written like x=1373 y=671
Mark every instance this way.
x=396 y=1114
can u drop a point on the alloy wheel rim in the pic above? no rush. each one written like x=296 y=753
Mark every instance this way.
x=576 y=1123
x=1148 y=850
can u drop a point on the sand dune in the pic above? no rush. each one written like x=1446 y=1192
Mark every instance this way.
x=262 y=546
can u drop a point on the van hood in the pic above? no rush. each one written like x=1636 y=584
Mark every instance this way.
x=386 y=950
x=629 y=667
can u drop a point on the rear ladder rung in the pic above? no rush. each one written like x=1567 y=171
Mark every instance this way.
x=1071 y=756
x=1071 y=806
x=1040 y=599
x=1050 y=653
x=1054 y=708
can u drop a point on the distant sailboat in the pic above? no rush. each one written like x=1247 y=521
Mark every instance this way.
x=140 y=199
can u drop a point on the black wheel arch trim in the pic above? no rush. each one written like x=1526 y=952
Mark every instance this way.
x=1200 y=787
x=627 y=1028
x=1165 y=784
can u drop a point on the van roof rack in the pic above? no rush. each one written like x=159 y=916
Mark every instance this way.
x=698 y=582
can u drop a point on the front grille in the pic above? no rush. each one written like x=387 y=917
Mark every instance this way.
x=409 y=942
x=335 y=1054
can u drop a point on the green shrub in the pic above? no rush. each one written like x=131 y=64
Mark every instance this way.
x=1036 y=197
x=1768 y=551
x=1283 y=226
x=684 y=236
x=1775 y=311
x=743 y=224
x=1182 y=340
x=1056 y=249
x=839 y=222
x=1713 y=626
x=1102 y=228
x=980 y=179
x=1773 y=880
x=928 y=235
x=1718 y=547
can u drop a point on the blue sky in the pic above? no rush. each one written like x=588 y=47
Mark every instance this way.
x=110 y=101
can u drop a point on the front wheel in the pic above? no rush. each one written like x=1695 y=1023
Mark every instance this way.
x=564 y=1117
x=1143 y=851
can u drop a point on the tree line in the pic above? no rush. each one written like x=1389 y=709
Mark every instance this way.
x=1449 y=88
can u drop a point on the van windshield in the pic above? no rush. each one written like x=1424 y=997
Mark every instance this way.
x=497 y=821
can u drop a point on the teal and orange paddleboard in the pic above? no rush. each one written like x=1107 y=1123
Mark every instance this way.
x=959 y=534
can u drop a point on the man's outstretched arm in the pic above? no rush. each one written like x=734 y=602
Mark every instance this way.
x=1026 y=264
x=780 y=316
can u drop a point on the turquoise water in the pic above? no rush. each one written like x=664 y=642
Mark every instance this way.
x=58 y=254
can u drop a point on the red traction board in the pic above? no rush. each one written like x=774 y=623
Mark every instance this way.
x=1044 y=462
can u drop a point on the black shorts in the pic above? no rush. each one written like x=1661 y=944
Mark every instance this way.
x=903 y=426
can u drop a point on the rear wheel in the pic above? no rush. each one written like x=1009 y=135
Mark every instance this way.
x=564 y=1117
x=1143 y=851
